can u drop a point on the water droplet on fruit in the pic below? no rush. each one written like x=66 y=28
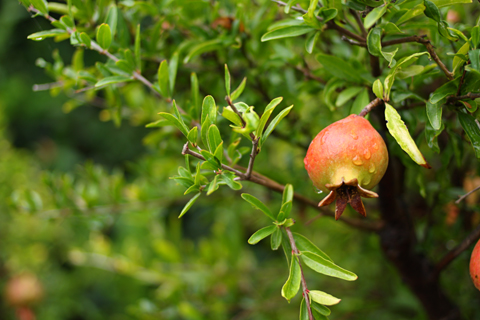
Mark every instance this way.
x=318 y=190
x=372 y=168
x=367 y=154
x=353 y=135
x=366 y=181
x=357 y=161
x=375 y=146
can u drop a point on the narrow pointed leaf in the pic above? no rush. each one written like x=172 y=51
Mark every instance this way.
x=276 y=239
x=38 y=36
x=470 y=125
x=261 y=234
x=434 y=114
x=163 y=79
x=138 y=57
x=111 y=80
x=287 y=193
x=227 y=80
x=172 y=71
x=213 y=186
x=303 y=311
x=195 y=92
x=176 y=122
x=324 y=311
x=209 y=108
x=237 y=92
x=291 y=287
x=266 y=115
x=311 y=41
x=189 y=204
x=378 y=89
x=213 y=138
x=399 y=131
x=303 y=244
x=323 y=298
x=258 y=205
x=104 y=36
x=274 y=123
x=285 y=32
x=326 y=267
x=193 y=136
x=347 y=95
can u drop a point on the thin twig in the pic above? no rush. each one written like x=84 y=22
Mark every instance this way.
x=304 y=283
x=357 y=17
x=259 y=179
x=430 y=48
x=356 y=43
x=461 y=81
x=330 y=24
x=467 y=194
x=455 y=252
x=253 y=154
x=376 y=102
x=467 y=96
x=308 y=74
x=230 y=103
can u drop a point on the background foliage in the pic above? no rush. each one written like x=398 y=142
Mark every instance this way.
x=89 y=207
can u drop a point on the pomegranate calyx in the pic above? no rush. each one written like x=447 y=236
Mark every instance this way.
x=344 y=193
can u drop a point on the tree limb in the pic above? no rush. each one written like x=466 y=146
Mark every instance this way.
x=455 y=252
x=376 y=102
x=466 y=195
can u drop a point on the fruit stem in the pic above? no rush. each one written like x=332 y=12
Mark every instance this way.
x=374 y=103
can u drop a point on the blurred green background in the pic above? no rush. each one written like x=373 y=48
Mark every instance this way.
x=88 y=208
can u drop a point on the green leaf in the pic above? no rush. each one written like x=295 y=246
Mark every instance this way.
x=470 y=125
x=475 y=37
x=237 y=92
x=104 y=36
x=39 y=36
x=378 y=89
x=213 y=138
x=410 y=71
x=193 y=136
x=189 y=204
x=445 y=31
x=138 y=57
x=195 y=92
x=266 y=115
x=303 y=310
x=203 y=47
x=285 y=32
x=284 y=211
x=163 y=79
x=323 y=298
x=228 y=177
x=311 y=41
x=276 y=239
x=261 y=234
x=434 y=114
x=172 y=71
x=274 y=123
x=209 y=108
x=111 y=80
x=85 y=39
x=457 y=61
x=374 y=16
x=445 y=3
x=326 y=267
x=112 y=18
x=258 y=205
x=291 y=287
x=411 y=13
x=218 y=153
x=374 y=41
x=227 y=80
x=347 y=95
x=214 y=162
x=303 y=244
x=229 y=114
x=288 y=6
x=338 y=67
x=474 y=56
x=324 y=311
x=399 y=131
x=445 y=90
x=287 y=194
x=40 y=5
x=176 y=122
x=432 y=11
x=360 y=102
x=431 y=136
x=212 y=186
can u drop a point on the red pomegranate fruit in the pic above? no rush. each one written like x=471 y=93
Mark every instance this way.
x=346 y=159
x=475 y=266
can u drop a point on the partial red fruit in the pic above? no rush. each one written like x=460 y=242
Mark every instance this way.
x=475 y=266
x=23 y=290
x=346 y=159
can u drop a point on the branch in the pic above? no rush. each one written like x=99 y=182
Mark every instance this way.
x=452 y=254
x=304 y=283
x=330 y=24
x=466 y=195
x=359 y=22
x=259 y=179
x=253 y=154
x=375 y=103
x=356 y=43
x=467 y=96
x=430 y=48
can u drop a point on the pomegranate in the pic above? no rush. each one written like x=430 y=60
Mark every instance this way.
x=346 y=159
x=475 y=266
x=23 y=290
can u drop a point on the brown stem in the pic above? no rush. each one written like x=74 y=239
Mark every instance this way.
x=304 y=283
x=357 y=17
x=259 y=179
x=376 y=102
x=467 y=96
x=466 y=195
x=356 y=43
x=461 y=81
x=253 y=154
x=455 y=252
x=230 y=103
x=430 y=48
x=330 y=24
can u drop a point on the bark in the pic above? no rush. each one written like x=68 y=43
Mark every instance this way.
x=398 y=242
